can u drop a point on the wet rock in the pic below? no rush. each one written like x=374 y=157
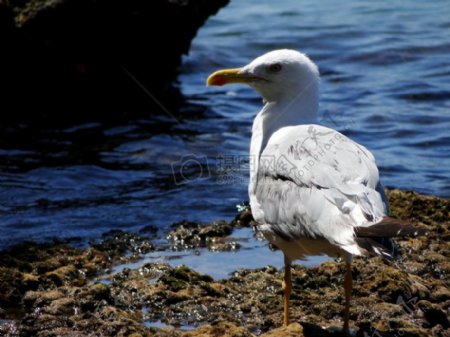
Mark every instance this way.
x=292 y=330
x=434 y=314
x=221 y=329
x=441 y=294
x=418 y=208
x=41 y=298
x=65 y=274
x=36 y=280
x=244 y=218
x=124 y=247
x=53 y=284
x=190 y=235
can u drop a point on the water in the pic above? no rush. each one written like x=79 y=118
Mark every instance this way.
x=251 y=252
x=385 y=82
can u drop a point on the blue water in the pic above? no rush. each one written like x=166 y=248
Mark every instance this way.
x=385 y=69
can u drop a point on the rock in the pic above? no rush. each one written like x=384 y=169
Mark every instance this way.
x=244 y=218
x=408 y=297
x=191 y=235
x=65 y=274
x=434 y=314
x=94 y=55
x=221 y=329
x=441 y=294
x=124 y=247
x=292 y=330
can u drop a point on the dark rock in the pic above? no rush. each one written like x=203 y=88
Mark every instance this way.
x=434 y=314
x=123 y=246
x=189 y=235
x=94 y=55
x=244 y=219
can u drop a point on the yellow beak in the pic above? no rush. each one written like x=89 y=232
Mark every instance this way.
x=227 y=76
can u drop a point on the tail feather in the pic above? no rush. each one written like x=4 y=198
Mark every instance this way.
x=389 y=227
x=376 y=239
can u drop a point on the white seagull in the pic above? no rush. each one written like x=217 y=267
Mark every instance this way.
x=313 y=191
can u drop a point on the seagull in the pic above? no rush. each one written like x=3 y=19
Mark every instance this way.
x=313 y=191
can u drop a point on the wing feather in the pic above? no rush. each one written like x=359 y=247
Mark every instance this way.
x=314 y=181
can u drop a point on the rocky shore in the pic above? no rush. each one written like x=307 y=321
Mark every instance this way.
x=58 y=290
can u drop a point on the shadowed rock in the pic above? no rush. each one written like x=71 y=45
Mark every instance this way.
x=88 y=56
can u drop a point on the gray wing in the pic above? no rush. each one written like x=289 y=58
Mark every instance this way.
x=313 y=181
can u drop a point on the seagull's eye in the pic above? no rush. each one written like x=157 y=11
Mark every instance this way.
x=274 y=68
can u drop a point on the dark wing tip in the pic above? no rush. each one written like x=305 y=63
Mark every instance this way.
x=383 y=247
x=390 y=227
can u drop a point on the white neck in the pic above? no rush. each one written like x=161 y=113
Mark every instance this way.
x=287 y=111
x=303 y=109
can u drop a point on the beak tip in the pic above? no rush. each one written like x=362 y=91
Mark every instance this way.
x=222 y=77
x=216 y=80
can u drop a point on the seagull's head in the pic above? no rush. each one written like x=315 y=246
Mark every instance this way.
x=278 y=75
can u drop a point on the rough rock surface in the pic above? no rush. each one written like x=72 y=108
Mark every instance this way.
x=57 y=290
x=89 y=55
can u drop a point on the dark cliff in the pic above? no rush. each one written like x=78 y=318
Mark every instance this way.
x=85 y=56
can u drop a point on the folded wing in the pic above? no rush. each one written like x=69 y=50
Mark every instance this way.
x=315 y=182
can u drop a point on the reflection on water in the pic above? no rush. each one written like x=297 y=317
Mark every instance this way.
x=385 y=70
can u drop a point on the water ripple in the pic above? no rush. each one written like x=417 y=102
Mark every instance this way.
x=385 y=71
